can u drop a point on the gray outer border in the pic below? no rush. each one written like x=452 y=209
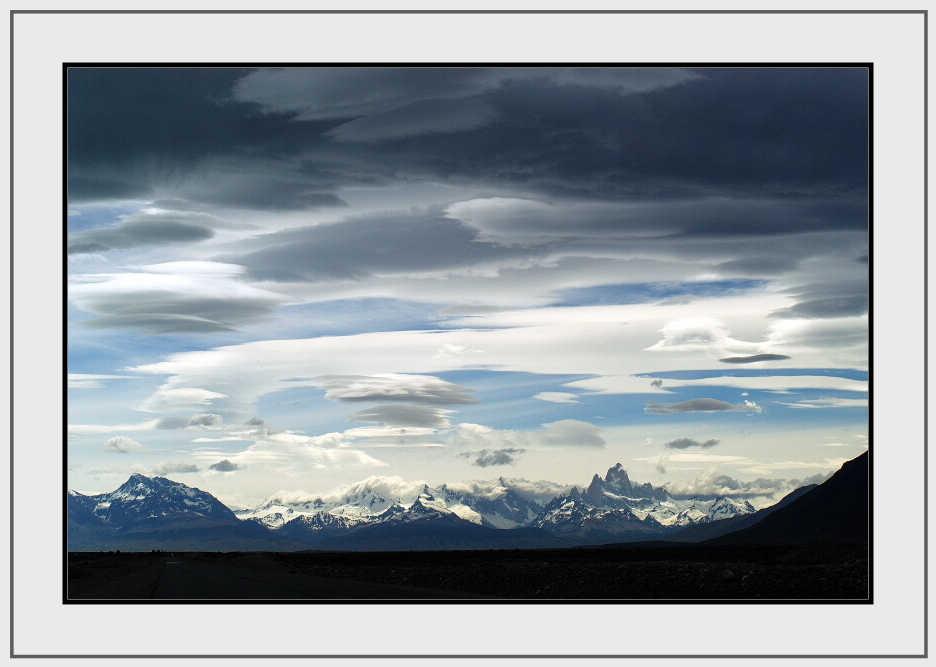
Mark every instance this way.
x=925 y=14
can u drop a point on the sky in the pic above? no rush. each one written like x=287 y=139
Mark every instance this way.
x=294 y=279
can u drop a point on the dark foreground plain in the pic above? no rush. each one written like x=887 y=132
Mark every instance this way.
x=822 y=571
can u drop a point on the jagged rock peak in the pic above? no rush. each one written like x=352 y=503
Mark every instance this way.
x=617 y=473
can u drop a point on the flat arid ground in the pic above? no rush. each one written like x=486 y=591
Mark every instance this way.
x=812 y=572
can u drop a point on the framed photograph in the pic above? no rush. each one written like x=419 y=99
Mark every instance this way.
x=521 y=330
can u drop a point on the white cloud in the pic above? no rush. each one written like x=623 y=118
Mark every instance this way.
x=699 y=334
x=91 y=381
x=776 y=383
x=449 y=350
x=829 y=402
x=557 y=397
x=713 y=483
x=176 y=297
x=94 y=429
x=392 y=488
x=288 y=453
x=569 y=434
x=803 y=334
x=698 y=457
x=762 y=468
x=171 y=399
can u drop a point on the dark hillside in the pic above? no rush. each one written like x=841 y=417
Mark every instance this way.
x=707 y=531
x=834 y=511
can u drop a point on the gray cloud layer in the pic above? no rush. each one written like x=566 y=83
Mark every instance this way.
x=754 y=358
x=422 y=389
x=571 y=164
x=487 y=458
x=699 y=405
x=181 y=297
x=611 y=133
x=684 y=443
x=403 y=415
x=169 y=227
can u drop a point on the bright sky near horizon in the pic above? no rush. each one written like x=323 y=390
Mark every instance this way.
x=292 y=279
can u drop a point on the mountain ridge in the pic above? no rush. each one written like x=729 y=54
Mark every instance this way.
x=612 y=509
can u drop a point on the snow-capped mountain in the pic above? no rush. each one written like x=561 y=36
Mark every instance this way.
x=500 y=506
x=574 y=516
x=149 y=502
x=147 y=513
x=461 y=515
x=612 y=506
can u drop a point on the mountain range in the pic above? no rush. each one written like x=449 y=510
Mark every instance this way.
x=147 y=513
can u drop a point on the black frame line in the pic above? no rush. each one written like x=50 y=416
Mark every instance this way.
x=924 y=14
x=572 y=601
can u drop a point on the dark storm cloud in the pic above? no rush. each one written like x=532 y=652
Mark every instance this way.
x=524 y=222
x=487 y=458
x=140 y=230
x=419 y=118
x=783 y=133
x=403 y=415
x=684 y=443
x=224 y=466
x=353 y=92
x=256 y=186
x=90 y=188
x=754 y=358
x=132 y=130
x=699 y=405
x=778 y=134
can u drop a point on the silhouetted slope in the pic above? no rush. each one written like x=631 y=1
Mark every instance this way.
x=707 y=531
x=836 y=510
